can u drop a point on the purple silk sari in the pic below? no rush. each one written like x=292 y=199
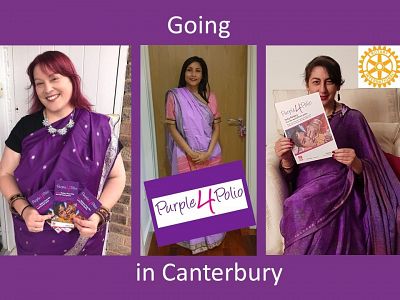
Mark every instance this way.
x=335 y=211
x=86 y=155
x=194 y=121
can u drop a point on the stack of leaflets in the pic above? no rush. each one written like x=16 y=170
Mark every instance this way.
x=65 y=205
x=304 y=121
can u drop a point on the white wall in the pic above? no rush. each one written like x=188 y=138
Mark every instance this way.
x=285 y=68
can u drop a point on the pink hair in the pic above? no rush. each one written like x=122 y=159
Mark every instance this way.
x=59 y=63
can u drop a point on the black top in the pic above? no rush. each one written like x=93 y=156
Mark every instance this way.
x=25 y=127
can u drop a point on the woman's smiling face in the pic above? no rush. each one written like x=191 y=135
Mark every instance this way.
x=54 y=90
x=321 y=82
x=193 y=75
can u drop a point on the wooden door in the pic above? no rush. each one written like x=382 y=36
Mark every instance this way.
x=227 y=71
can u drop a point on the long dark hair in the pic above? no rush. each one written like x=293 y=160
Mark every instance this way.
x=204 y=86
x=57 y=62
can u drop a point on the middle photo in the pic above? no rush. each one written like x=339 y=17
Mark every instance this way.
x=198 y=110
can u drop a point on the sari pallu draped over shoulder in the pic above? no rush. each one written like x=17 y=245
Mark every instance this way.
x=194 y=121
x=86 y=155
x=334 y=211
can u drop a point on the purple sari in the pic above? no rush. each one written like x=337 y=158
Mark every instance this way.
x=334 y=211
x=194 y=120
x=86 y=155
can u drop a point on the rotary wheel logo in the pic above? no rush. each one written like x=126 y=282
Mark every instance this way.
x=379 y=66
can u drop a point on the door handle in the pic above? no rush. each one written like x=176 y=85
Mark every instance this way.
x=239 y=123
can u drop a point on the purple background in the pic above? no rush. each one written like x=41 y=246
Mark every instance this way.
x=194 y=180
x=252 y=22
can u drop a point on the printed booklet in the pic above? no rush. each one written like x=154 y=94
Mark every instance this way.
x=304 y=121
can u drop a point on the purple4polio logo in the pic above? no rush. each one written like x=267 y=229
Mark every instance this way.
x=199 y=203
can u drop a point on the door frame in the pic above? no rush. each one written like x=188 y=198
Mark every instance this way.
x=7 y=117
x=148 y=148
x=251 y=126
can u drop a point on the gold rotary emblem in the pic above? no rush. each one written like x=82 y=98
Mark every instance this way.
x=379 y=66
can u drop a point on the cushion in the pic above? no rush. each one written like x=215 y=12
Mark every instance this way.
x=394 y=162
x=386 y=135
x=276 y=192
x=377 y=105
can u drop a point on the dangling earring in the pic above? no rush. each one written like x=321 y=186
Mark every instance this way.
x=338 y=96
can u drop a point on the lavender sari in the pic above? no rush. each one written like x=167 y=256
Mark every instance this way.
x=335 y=211
x=194 y=120
x=85 y=154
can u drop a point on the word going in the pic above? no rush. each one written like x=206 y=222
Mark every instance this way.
x=176 y=25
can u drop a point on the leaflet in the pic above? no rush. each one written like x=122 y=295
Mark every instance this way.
x=87 y=204
x=304 y=121
x=42 y=201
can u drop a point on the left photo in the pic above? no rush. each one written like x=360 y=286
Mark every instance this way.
x=65 y=143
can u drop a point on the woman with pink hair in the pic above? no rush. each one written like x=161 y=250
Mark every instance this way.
x=61 y=138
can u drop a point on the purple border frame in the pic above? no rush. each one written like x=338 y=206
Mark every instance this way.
x=254 y=22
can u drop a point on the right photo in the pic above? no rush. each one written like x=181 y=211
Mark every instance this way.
x=332 y=152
